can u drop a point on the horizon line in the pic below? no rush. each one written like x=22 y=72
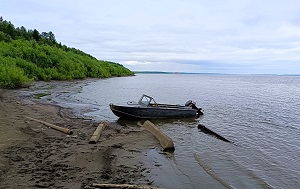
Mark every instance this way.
x=209 y=73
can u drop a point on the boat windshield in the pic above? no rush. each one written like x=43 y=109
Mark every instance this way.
x=147 y=100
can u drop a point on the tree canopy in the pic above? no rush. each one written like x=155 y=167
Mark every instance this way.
x=28 y=55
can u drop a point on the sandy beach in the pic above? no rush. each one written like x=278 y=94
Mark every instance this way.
x=35 y=156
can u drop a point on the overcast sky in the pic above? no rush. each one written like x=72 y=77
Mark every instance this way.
x=205 y=36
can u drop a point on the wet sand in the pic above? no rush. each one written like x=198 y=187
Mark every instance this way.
x=35 y=156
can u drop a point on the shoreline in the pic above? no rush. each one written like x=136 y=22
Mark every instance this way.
x=35 y=156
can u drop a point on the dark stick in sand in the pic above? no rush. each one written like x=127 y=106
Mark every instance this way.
x=210 y=132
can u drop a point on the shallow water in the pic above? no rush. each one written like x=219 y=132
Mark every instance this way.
x=260 y=114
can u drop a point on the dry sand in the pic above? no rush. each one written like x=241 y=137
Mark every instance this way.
x=35 y=156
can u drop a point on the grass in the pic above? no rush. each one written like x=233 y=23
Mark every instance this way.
x=40 y=95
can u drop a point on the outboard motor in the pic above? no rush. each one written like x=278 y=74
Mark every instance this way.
x=188 y=103
x=193 y=105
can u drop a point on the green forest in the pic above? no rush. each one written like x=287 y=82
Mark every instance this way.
x=28 y=55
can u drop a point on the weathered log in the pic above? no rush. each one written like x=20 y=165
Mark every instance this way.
x=212 y=133
x=123 y=186
x=165 y=141
x=64 y=130
x=96 y=135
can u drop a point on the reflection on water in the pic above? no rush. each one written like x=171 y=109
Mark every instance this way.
x=260 y=114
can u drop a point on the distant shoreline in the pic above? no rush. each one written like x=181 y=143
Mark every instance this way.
x=196 y=73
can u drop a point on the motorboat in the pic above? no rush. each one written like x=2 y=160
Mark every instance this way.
x=147 y=108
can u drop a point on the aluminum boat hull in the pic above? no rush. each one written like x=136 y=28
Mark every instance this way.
x=153 y=112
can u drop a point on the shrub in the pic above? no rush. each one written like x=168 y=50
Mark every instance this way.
x=12 y=77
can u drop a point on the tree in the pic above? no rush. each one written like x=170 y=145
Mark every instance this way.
x=10 y=30
x=36 y=35
x=24 y=33
x=44 y=35
x=52 y=37
x=49 y=36
x=4 y=37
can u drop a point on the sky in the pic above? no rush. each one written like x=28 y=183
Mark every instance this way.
x=202 y=36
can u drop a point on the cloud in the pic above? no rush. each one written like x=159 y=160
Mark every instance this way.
x=231 y=36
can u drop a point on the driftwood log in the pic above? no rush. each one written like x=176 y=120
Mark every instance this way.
x=96 y=135
x=64 y=130
x=123 y=186
x=165 y=141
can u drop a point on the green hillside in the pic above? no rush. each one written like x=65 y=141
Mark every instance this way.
x=28 y=55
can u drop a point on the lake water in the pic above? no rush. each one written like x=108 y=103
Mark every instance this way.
x=260 y=114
